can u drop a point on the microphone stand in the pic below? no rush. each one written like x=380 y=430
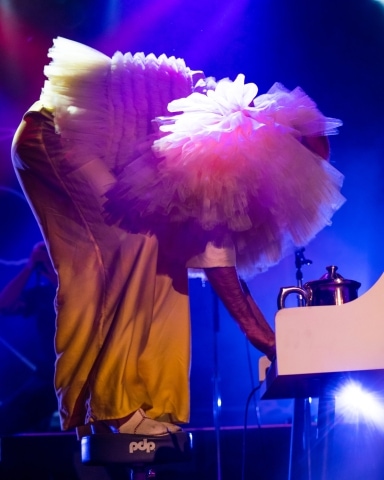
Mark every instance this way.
x=300 y=260
x=300 y=455
x=216 y=380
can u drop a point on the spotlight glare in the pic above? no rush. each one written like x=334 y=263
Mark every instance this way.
x=355 y=405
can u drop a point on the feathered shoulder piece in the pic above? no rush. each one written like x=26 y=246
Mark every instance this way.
x=104 y=106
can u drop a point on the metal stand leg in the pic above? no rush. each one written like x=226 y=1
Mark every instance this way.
x=325 y=434
x=300 y=454
x=216 y=381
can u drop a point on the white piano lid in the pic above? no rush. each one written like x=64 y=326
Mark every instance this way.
x=337 y=338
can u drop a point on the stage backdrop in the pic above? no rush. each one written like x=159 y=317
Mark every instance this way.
x=333 y=49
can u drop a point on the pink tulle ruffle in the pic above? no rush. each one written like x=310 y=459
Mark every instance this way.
x=230 y=162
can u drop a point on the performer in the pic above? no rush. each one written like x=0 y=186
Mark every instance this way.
x=31 y=294
x=129 y=197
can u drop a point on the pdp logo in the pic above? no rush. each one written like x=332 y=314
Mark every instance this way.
x=144 y=446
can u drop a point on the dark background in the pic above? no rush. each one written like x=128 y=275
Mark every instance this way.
x=332 y=49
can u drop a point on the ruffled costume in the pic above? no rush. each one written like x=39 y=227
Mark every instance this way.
x=148 y=146
x=222 y=163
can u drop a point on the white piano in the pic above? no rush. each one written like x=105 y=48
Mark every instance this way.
x=319 y=346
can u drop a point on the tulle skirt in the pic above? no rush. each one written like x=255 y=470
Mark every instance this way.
x=223 y=166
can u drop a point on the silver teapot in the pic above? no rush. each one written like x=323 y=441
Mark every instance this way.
x=330 y=289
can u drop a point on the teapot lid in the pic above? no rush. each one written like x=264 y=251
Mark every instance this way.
x=332 y=277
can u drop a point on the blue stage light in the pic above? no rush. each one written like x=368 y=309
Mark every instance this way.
x=354 y=404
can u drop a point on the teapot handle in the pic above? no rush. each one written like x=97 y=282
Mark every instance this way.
x=285 y=291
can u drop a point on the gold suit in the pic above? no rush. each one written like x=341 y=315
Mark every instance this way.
x=118 y=348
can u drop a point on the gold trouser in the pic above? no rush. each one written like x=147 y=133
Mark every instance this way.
x=123 y=328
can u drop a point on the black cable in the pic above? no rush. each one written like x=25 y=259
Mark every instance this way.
x=247 y=346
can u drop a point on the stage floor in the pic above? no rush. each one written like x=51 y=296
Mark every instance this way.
x=57 y=456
